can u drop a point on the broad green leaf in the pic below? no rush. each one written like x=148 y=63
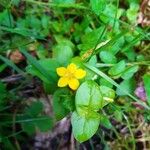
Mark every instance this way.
x=49 y=66
x=108 y=95
x=146 y=79
x=117 y=69
x=107 y=57
x=90 y=39
x=98 y=6
x=104 y=82
x=62 y=53
x=29 y=128
x=103 y=75
x=33 y=119
x=45 y=124
x=84 y=127
x=132 y=12
x=62 y=103
x=88 y=98
x=127 y=85
x=30 y=124
x=93 y=60
x=62 y=40
x=34 y=109
x=109 y=14
x=129 y=72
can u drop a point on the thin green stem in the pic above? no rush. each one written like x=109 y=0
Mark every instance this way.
x=76 y=6
x=103 y=75
x=129 y=127
x=142 y=63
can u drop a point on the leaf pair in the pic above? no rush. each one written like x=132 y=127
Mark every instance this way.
x=89 y=99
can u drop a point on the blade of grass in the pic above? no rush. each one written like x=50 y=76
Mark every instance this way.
x=11 y=64
x=15 y=47
x=100 y=37
x=115 y=19
x=54 y=5
x=103 y=75
x=25 y=120
x=113 y=40
x=129 y=127
x=80 y=6
x=32 y=60
x=23 y=32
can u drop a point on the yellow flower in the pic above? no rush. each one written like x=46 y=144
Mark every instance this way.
x=69 y=76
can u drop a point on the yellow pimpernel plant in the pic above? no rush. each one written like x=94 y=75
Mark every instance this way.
x=70 y=76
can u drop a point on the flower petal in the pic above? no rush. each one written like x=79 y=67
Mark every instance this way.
x=61 y=71
x=79 y=74
x=62 y=82
x=72 y=68
x=74 y=84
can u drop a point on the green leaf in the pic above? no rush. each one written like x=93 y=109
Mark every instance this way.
x=34 y=109
x=4 y=19
x=28 y=128
x=105 y=121
x=2 y=67
x=104 y=82
x=93 y=60
x=11 y=64
x=127 y=85
x=33 y=119
x=117 y=69
x=108 y=95
x=132 y=12
x=108 y=14
x=107 y=57
x=49 y=74
x=118 y=115
x=146 y=79
x=88 y=98
x=62 y=103
x=129 y=72
x=43 y=123
x=62 y=53
x=90 y=39
x=98 y=6
x=103 y=75
x=84 y=127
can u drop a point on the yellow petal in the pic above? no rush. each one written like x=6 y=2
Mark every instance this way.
x=79 y=74
x=61 y=71
x=71 y=68
x=62 y=82
x=74 y=84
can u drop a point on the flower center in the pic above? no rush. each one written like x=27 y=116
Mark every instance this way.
x=69 y=75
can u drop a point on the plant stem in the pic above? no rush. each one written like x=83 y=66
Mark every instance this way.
x=76 y=6
x=146 y=63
